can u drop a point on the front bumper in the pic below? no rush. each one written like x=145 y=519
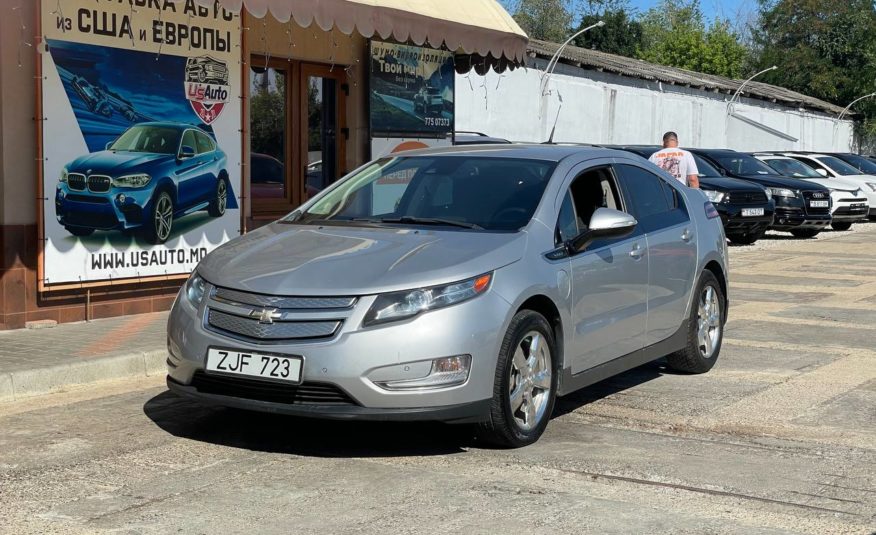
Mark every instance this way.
x=101 y=211
x=737 y=224
x=796 y=218
x=354 y=359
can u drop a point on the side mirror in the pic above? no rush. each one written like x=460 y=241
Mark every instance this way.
x=822 y=172
x=186 y=152
x=109 y=144
x=604 y=224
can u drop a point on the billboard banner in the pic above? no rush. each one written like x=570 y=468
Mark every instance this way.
x=140 y=138
x=412 y=91
x=381 y=147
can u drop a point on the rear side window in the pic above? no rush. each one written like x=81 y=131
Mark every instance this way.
x=205 y=144
x=653 y=202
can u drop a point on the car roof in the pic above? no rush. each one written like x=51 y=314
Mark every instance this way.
x=548 y=152
x=169 y=124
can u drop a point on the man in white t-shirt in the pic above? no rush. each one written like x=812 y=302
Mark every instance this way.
x=677 y=162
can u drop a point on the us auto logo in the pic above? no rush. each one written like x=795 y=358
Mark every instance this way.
x=206 y=86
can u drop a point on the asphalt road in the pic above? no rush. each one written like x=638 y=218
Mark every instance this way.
x=779 y=438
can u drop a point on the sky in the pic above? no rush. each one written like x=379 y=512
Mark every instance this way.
x=727 y=9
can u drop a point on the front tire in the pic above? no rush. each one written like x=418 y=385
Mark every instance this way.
x=746 y=239
x=220 y=202
x=161 y=220
x=805 y=233
x=525 y=385
x=841 y=226
x=705 y=329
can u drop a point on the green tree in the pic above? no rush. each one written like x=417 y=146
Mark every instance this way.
x=548 y=20
x=622 y=33
x=675 y=34
x=823 y=48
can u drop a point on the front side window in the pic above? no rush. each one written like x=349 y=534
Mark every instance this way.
x=865 y=166
x=481 y=193
x=654 y=203
x=189 y=141
x=839 y=167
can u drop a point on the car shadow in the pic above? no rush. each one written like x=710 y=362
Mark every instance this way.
x=272 y=433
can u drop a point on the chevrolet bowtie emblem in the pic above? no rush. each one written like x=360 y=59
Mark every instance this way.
x=266 y=316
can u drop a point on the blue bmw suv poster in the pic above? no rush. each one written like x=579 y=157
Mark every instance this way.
x=141 y=139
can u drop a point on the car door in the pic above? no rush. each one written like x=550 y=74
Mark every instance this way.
x=609 y=278
x=190 y=173
x=659 y=207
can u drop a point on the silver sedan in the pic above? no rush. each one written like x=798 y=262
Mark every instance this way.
x=473 y=284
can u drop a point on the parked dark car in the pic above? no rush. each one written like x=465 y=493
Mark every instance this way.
x=476 y=138
x=746 y=208
x=802 y=208
x=151 y=175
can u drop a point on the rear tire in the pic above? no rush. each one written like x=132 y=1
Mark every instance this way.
x=805 y=232
x=841 y=226
x=746 y=239
x=525 y=385
x=705 y=329
x=220 y=202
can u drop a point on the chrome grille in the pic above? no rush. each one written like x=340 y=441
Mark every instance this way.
x=275 y=301
x=278 y=330
x=306 y=393
x=76 y=181
x=99 y=183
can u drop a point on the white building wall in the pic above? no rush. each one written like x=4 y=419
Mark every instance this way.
x=601 y=108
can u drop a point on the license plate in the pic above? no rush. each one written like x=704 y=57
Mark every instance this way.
x=819 y=204
x=283 y=368
x=752 y=212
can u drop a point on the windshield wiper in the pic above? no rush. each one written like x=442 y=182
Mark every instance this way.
x=432 y=221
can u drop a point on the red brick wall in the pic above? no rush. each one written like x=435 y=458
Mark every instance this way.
x=20 y=301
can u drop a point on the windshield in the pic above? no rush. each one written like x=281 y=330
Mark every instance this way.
x=793 y=168
x=865 y=166
x=705 y=169
x=743 y=164
x=838 y=166
x=155 y=139
x=496 y=194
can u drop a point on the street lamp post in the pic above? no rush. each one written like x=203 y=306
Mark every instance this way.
x=552 y=64
x=741 y=87
x=847 y=108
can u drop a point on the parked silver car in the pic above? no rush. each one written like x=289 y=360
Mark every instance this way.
x=468 y=284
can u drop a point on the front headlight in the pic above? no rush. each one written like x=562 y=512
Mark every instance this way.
x=63 y=177
x=783 y=192
x=714 y=196
x=132 y=181
x=872 y=185
x=407 y=304
x=196 y=288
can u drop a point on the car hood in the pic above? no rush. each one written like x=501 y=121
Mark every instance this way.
x=111 y=162
x=776 y=181
x=302 y=260
x=834 y=183
x=729 y=184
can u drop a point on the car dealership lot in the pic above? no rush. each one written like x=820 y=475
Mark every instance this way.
x=778 y=437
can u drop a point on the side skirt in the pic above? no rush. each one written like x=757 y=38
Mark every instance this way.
x=571 y=382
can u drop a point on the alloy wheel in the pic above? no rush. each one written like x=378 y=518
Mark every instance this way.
x=222 y=196
x=163 y=217
x=529 y=387
x=708 y=322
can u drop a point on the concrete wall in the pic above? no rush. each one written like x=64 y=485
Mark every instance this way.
x=598 y=107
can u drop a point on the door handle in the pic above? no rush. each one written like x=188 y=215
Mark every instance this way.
x=637 y=252
x=687 y=235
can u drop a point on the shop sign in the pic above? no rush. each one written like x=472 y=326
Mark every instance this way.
x=412 y=91
x=140 y=137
